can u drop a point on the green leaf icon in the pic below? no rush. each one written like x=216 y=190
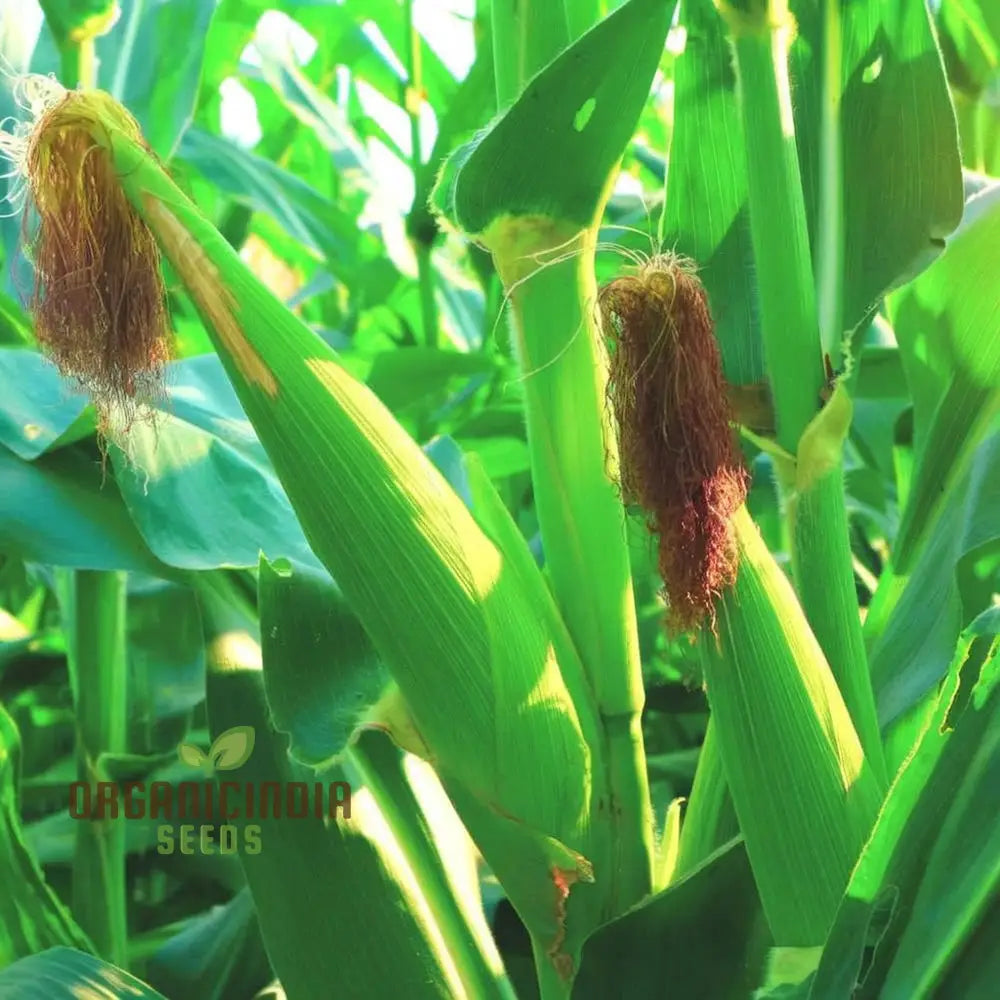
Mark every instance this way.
x=232 y=748
x=191 y=755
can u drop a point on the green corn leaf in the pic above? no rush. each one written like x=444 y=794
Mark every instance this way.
x=342 y=31
x=68 y=974
x=318 y=700
x=705 y=933
x=57 y=511
x=214 y=954
x=948 y=322
x=406 y=376
x=230 y=31
x=961 y=881
x=924 y=887
x=970 y=39
x=31 y=916
x=259 y=184
x=321 y=678
x=199 y=455
x=583 y=14
x=585 y=104
x=976 y=969
x=37 y=409
x=158 y=83
x=893 y=98
x=166 y=653
x=706 y=209
x=333 y=907
x=910 y=654
x=320 y=113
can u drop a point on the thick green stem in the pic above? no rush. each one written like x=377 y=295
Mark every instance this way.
x=572 y=446
x=93 y=606
x=789 y=321
x=790 y=327
x=79 y=64
x=571 y=443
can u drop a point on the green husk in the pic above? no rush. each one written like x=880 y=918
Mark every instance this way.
x=480 y=662
x=804 y=793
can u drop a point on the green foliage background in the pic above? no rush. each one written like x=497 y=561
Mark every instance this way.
x=358 y=105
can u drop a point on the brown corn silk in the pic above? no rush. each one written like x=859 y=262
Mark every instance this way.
x=678 y=457
x=98 y=299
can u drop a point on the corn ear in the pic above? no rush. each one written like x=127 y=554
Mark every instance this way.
x=474 y=657
x=805 y=795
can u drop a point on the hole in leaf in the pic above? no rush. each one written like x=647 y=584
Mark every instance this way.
x=584 y=115
x=872 y=71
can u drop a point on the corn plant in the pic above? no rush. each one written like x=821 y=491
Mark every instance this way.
x=547 y=592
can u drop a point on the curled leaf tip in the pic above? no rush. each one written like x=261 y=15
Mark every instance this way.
x=98 y=298
x=678 y=457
